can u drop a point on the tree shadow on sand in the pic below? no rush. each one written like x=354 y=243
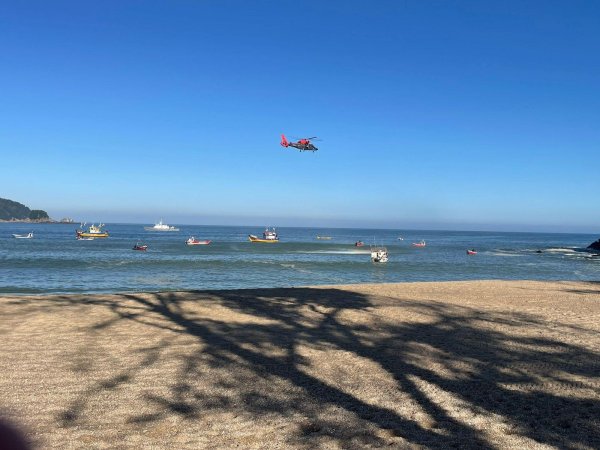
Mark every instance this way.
x=358 y=371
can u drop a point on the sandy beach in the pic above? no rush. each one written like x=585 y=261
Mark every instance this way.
x=489 y=364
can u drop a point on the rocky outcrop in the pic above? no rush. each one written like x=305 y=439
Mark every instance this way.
x=594 y=246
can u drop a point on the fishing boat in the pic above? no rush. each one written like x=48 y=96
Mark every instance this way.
x=92 y=232
x=419 y=244
x=324 y=238
x=140 y=247
x=160 y=226
x=379 y=254
x=23 y=236
x=471 y=252
x=269 y=237
x=359 y=244
x=193 y=241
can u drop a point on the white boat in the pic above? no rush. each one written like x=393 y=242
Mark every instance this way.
x=379 y=254
x=23 y=236
x=160 y=226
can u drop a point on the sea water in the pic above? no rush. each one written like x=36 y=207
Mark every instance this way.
x=55 y=262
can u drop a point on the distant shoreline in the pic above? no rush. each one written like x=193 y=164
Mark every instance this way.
x=38 y=221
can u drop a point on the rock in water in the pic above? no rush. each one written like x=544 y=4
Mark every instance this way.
x=594 y=245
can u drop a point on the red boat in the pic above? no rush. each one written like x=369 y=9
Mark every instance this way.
x=419 y=244
x=471 y=252
x=194 y=241
x=139 y=247
x=359 y=244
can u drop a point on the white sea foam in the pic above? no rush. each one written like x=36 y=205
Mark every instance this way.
x=502 y=253
x=293 y=266
x=335 y=252
x=121 y=263
x=561 y=250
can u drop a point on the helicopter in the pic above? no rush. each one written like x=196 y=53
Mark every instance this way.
x=302 y=144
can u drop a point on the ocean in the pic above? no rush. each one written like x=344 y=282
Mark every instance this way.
x=55 y=262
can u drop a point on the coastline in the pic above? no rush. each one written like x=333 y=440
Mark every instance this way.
x=48 y=221
x=434 y=364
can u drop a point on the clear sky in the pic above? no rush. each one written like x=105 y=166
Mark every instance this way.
x=433 y=114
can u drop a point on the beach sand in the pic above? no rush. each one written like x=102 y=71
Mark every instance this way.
x=484 y=364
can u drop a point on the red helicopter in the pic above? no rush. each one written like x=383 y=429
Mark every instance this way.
x=302 y=144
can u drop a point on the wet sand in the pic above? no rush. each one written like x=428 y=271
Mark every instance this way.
x=490 y=364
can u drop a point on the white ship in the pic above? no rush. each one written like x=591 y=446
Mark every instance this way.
x=160 y=226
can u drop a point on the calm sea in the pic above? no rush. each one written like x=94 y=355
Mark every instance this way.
x=54 y=262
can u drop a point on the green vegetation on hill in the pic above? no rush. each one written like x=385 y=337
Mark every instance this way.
x=11 y=210
x=38 y=214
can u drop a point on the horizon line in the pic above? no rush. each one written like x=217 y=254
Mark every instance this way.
x=78 y=223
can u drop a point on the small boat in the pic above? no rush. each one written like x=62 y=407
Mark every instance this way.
x=193 y=241
x=379 y=254
x=325 y=238
x=400 y=238
x=92 y=232
x=471 y=252
x=419 y=244
x=23 y=236
x=269 y=236
x=160 y=226
x=140 y=247
x=359 y=244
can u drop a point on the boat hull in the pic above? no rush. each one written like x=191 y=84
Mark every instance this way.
x=253 y=238
x=207 y=242
x=92 y=235
x=382 y=259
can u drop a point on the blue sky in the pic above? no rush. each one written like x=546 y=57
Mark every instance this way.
x=433 y=114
